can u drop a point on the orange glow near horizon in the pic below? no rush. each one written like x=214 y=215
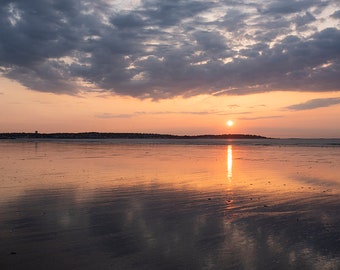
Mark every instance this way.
x=22 y=110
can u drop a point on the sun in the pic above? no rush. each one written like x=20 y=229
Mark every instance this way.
x=230 y=123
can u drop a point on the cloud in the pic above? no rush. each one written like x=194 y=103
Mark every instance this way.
x=112 y=115
x=336 y=14
x=140 y=113
x=162 y=49
x=292 y=6
x=314 y=104
x=261 y=117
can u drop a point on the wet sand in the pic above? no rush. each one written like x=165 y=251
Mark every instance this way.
x=145 y=206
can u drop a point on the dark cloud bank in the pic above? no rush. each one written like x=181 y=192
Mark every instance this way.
x=162 y=49
x=314 y=104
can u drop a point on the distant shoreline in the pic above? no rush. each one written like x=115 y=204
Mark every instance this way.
x=108 y=135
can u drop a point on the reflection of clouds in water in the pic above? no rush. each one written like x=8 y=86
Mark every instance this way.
x=169 y=229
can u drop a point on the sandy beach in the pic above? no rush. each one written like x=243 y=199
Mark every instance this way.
x=168 y=206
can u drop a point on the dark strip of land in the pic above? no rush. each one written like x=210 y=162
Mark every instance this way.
x=101 y=135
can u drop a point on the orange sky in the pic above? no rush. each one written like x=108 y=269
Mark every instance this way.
x=263 y=114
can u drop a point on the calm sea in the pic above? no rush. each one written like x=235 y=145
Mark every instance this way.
x=170 y=204
x=261 y=142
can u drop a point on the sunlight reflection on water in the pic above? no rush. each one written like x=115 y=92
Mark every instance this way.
x=230 y=162
x=86 y=206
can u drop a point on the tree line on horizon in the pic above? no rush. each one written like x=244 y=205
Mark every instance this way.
x=111 y=135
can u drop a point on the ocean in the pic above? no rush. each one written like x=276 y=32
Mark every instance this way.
x=330 y=142
x=170 y=204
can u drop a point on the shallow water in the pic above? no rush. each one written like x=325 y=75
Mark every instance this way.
x=91 y=205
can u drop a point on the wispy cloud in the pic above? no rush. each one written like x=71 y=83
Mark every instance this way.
x=163 y=48
x=112 y=115
x=233 y=106
x=141 y=113
x=261 y=117
x=314 y=104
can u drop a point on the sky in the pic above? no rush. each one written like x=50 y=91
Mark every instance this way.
x=171 y=66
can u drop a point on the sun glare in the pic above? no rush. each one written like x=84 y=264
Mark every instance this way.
x=230 y=123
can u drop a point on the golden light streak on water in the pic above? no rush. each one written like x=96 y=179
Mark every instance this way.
x=230 y=162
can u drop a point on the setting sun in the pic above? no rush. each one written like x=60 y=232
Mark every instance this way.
x=230 y=123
